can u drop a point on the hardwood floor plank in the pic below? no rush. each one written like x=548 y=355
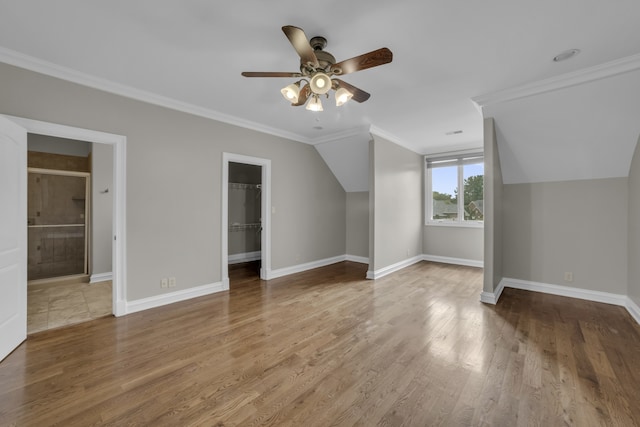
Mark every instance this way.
x=329 y=348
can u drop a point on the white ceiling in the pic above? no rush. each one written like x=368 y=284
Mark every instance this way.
x=445 y=53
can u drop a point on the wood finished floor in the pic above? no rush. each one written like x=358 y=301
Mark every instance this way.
x=326 y=347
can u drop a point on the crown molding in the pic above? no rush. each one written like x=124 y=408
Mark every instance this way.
x=374 y=130
x=586 y=75
x=31 y=63
x=340 y=135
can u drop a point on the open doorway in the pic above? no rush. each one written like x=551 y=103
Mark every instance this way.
x=69 y=221
x=246 y=215
x=245 y=221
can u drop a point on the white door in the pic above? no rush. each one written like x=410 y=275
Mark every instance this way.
x=13 y=236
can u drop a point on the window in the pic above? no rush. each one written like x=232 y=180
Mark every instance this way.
x=445 y=204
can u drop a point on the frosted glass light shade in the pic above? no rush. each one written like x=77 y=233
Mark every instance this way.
x=291 y=93
x=320 y=83
x=314 y=104
x=342 y=96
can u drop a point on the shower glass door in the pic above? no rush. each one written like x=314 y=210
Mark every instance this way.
x=57 y=223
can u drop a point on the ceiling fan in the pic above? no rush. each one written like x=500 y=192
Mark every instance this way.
x=318 y=69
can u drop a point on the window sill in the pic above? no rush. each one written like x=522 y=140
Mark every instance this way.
x=466 y=224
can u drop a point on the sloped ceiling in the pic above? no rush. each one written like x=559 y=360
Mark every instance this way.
x=189 y=55
x=586 y=130
x=348 y=159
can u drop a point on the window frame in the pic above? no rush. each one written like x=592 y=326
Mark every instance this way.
x=460 y=161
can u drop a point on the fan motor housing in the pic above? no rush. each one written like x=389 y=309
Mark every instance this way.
x=325 y=59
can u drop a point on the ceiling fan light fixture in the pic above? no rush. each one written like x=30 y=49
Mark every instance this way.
x=320 y=83
x=291 y=92
x=314 y=104
x=342 y=96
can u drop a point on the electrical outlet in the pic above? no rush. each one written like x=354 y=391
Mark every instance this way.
x=172 y=282
x=568 y=276
x=164 y=283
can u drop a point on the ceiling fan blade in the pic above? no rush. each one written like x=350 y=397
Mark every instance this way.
x=358 y=94
x=367 y=60
x=269 y=74
x=300 y=43
x=303 y=96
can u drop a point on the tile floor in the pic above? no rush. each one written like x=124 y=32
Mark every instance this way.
x=53 y=305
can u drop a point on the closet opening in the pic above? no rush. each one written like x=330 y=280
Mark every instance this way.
x=244 y=221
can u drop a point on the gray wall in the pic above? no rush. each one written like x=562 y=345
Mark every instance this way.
x=173 y=232
x=634 y=227
x=358 y=224
x=101 y=208
x=454 y=242
x=578 y=226
x=494 y=213
x=397 y=201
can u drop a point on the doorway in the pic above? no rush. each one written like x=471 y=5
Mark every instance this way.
x=13 y=253
x=246 y=213
x=69 y=228
x=245 y=221
x=117 y=240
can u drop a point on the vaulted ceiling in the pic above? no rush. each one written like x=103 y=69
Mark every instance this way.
x=189 y=55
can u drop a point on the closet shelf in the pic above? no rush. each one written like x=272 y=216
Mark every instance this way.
x=239 y=186
x=242 y=227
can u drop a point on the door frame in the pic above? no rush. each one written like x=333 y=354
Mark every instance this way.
x=265 y=212
x=119 y=144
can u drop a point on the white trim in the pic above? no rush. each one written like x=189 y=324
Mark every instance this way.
x=101 y=277
x=244 y=257
x=274 y=274
x=356 y=258
x=492 y=297
x=565 y=291
x=393 y=267
x=608 y=69
x=119 y=144
x=461 y=224
x=336 y=136
x=265 y=211
x=177 y=296
x=451 y=260
x=633 y=309
x=374 y=130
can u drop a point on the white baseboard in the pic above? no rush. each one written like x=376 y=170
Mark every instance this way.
x=274 y=274
x=565 y=291
x=101 y=277
x=393 y=267
x=355 y=258
x=244 y=257
x=633 y=309
x=177 y=296
x=492 y=297
x=451 y=260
